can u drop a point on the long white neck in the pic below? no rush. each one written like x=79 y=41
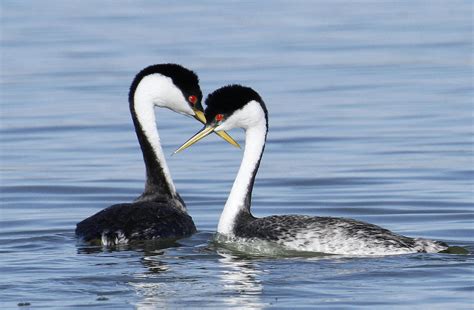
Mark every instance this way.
x=154 y=90
x=240 y=196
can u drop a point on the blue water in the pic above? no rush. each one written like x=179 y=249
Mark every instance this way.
x=371 y=117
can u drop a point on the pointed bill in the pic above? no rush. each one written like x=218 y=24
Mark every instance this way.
x=201 y=134
x=224 y=135
x=199 y=115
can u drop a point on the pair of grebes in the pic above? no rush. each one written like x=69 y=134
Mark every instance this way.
x=160 y=213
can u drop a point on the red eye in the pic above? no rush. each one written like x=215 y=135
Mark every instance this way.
x=192 y=99
x=219 y=117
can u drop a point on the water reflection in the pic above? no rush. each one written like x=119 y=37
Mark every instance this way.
x=178 y=271
x=148 y=282
x=241 y=281
x=153 y=264
x=148 y=247
x=151 y=286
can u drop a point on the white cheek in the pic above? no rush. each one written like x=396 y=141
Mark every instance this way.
x=160 y=91
x=221 y=127
x=227 y=125
x=248 y=116
x=180 y=108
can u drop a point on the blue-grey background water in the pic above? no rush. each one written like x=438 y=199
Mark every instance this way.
x=370 y=118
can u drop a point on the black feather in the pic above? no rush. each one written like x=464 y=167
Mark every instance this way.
x=159 y=213
x=186 y=80
x=150 y=220
x=228 y=99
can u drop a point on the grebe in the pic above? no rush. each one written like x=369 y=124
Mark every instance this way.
x=237 y=106
x=158 y=213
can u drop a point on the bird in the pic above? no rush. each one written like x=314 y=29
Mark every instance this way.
x=159 y=213
x=236 y=106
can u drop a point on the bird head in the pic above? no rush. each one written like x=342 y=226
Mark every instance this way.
x=229 y=107
x=171 y=86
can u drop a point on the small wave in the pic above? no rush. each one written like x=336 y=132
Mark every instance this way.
x=254 y=248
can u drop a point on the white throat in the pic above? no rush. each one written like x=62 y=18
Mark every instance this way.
x=255 y=134
x=158 y=90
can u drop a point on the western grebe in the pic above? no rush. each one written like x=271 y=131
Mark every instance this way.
x=237 y=106
x=159 y=212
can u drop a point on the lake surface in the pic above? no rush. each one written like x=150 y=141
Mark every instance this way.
x=371 y=117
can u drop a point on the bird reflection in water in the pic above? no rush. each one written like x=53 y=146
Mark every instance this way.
x=151 y=284
x=241 y=281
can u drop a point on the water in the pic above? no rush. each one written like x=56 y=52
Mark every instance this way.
x=370 y=118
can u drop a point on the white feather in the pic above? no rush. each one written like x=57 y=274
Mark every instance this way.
x=252 y=118
x=158 y=90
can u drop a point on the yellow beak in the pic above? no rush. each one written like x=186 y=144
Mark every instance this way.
x=199 y=115
x=201 y=134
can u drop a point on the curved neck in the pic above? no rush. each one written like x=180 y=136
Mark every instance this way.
x=158 y=178
x=241 y=194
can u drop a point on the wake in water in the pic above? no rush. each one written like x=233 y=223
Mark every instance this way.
x=253 y=247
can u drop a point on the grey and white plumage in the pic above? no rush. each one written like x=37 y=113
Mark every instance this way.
x=330 y=235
